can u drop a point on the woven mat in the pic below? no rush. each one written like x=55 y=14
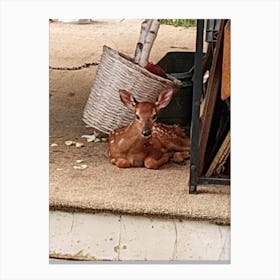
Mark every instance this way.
x=104 y=187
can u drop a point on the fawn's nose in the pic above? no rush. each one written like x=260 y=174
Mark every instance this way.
x=146 y=132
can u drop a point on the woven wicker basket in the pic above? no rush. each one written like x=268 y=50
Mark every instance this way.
x=104 y=111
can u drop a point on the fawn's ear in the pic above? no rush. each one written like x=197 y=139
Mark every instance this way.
x=164 y=98
x=127 y=99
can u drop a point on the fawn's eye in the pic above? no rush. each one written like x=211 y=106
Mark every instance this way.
x=137 y=117
x=154 y=117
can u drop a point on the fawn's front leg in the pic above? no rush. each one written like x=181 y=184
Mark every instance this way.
x=121 y=162
x=151 y=162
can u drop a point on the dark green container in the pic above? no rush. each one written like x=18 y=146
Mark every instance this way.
x=180 y=65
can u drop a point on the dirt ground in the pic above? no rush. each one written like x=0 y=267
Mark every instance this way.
x=103 y=186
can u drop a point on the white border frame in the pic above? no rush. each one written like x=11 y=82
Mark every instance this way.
x=255 y=138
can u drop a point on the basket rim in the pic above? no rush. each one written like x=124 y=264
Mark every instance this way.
x=172 y=82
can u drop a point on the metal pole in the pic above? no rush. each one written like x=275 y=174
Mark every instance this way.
x=197 y=90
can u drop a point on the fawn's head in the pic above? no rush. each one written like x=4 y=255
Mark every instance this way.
x=146 y=112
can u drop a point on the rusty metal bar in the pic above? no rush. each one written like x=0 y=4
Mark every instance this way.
x=197 y=90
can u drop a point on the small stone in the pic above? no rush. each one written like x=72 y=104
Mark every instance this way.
x=80 y=167
x=79 y=144
x=79 y=161
x=69 y=143
x=59 y=169
x=97 y=140
x=104 y=139
x=54 y=145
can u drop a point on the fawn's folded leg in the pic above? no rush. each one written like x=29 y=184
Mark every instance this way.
x=179 y=157
x=121 y=162
x=152 y=163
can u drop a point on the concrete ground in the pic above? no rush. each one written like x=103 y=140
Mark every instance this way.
x=103 y=237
